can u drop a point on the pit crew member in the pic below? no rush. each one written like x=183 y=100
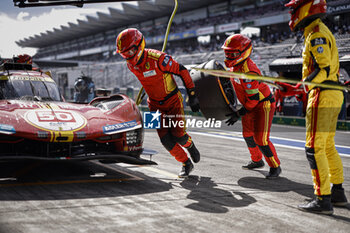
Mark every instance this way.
x=155 y=70
x=84 y=90
x=320 y=65
x=258 y=105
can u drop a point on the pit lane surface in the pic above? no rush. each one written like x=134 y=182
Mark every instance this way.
x=218 y=197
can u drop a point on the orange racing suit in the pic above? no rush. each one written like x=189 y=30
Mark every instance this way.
x=321 y=65
x=155 y=72
x=257 y=99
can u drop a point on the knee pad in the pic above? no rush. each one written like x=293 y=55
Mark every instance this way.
x=266 y=150
x=310 y=155
x=182 y=140
x=168 y=141
x=250 y=141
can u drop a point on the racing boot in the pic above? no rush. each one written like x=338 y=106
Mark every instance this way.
x=320 y=205
x=253 y=165
x=187 y=167
x=338 y=197
x=274 y=172
x=195 y=155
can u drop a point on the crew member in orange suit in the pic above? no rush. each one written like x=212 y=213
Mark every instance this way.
x=155 y=70
x=258 y=105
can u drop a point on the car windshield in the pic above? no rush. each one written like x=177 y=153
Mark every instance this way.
x=29 y=88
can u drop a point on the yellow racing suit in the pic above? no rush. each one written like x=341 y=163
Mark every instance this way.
x=321 y=65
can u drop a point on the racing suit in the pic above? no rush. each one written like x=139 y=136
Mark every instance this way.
x=155 y=72
x=290 y=90
x=321 y=65
x=257 y=99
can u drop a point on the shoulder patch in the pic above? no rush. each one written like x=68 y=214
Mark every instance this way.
x=320 y=49
x=166 y=60
x=154 y=55
x=318 y=41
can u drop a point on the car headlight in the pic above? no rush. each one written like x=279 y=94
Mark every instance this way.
x=134 y=137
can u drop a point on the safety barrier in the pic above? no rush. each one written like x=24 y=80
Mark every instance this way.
x=300 y=121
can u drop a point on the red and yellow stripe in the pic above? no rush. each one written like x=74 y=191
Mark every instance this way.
x=311 y=140
x=273 y=161
x=317 y=181
x=267 y=108
x=314 y=115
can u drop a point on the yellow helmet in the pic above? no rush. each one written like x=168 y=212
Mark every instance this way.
x=305 y=11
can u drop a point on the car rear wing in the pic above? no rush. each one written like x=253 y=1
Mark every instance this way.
x=10 y=65
x=78 y=3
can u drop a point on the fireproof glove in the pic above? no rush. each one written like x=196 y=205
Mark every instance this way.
x=242 y=111
x=234 y=116
x=193 y=100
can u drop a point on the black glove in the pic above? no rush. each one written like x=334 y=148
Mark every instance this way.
x=236 y=115
x=193 y=100
x=233 y=118
x=242 y=111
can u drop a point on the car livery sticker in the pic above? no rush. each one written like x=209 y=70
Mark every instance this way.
x=166 y=60
x=121 y=127
x=58 y=120
x=31 y=78
x=7 y=129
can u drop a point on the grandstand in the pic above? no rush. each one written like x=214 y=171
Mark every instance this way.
x=91 y=43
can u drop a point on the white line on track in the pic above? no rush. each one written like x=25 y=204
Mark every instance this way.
x=152 y=169
x=235 y=137
x=161 y=172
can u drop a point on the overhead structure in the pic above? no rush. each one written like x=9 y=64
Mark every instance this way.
x=115 y=18
x=78 y=3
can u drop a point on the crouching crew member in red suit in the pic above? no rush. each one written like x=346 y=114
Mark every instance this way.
x=155 y=70
x=258 y=105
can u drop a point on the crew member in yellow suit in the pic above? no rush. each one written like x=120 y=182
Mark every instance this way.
x=320 y=65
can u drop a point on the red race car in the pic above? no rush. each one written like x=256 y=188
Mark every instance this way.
x=36 y=123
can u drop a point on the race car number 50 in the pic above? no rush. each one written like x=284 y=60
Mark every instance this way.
x=57 y=120
x=57 y=116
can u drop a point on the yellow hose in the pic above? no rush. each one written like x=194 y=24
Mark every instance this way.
x=229 y=74
x=141 y=93
x=169 y=25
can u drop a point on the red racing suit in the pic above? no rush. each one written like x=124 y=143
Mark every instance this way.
x=155 y=72
x=290 y=90
x=256 y=97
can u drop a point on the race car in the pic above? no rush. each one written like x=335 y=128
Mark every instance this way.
x=37 y=124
